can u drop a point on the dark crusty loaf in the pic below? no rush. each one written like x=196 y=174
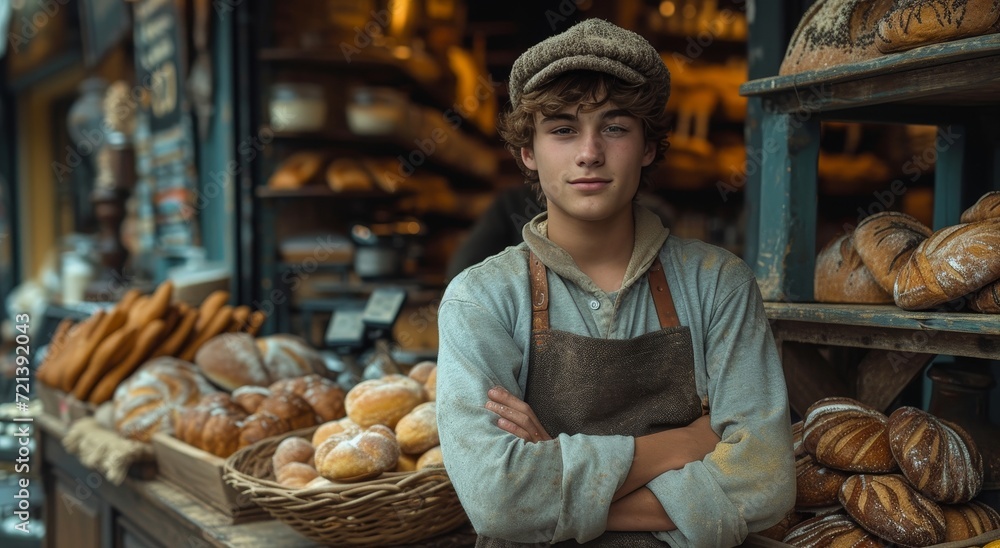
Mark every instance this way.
x=834 y=32
x=885 y=241
x=987 y=207
x=939 y=458
x=841 y=276
x=831 y=530
x=887 y=506
x=954 y=261
x=845 y=434
x=816 y=486
x=913 y=23
x=987 y=299
x=964 y=521
x=779 y=530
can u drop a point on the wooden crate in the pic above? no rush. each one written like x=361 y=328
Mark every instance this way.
x=61 y=405
x=200 y=473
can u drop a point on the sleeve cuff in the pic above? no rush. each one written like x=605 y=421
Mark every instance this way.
x=590 y=483
x=700 y=509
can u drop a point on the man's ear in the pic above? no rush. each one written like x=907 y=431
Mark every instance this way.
x=528 y=157
x=647 y=157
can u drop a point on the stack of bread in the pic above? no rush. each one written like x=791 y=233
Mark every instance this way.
x=907 y=479
x=252 y=369
x=893 y=258
x=90 y=359
x=390 y=426
x=221 y=423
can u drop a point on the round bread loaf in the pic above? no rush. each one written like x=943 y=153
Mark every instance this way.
x=212 y=425
x=939 y=458
x=965 y=521
x=845 y=434
x=145 y=402
x=319 y=483
x=288 y=356
x=907 y=25
x=954 y=261
x=249 y=397
x=885 y=242
x=832 y=33
x=325 y=396
x=417 y=431
x=987 y=207
x=421 y=371
x=261 y=425
x=887 y=506
x=987 y=299
x=406 y=463
x=365 y=455
x=797 y=448
x=295 y=475
x=432 y=458
x=841 y=276
x=339 y=426
x=292 y=449
x=231 y=360
x=295 y=411
x=383 y=401
x=816 y=486
x=831 y=530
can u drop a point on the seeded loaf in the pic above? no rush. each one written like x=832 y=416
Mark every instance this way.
x=912 y=23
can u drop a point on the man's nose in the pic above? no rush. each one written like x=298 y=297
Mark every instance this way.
x=591 y=151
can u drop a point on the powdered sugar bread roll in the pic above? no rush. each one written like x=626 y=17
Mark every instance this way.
x=965 y=521
x=954 y=261
x=885 y=242
x=357 y=457
x=330 y=428
x=889 y=507
x=842 y=277
x=383 y=401
x=417 y=431
x=845 y=434
x=837 y=529
x=939 y=458
x=987 y=207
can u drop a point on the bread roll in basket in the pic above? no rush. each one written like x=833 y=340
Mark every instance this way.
x=394 y=508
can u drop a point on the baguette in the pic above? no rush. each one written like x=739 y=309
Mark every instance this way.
x=81 y=355
x=212 y=303
x=146 y=340
x=216 y=326
x=255 y=322
x=955 y=261
x=172 y=344
x=46 y=371
x=107 y=355
x=240 y=316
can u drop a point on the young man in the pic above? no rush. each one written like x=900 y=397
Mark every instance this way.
x=575 y=370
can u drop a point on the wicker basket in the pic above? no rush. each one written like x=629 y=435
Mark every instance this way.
x=395 y=508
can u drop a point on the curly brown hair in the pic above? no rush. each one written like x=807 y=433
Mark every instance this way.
x=590 y=90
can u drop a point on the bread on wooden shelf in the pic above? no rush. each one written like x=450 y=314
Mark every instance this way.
x=145 y=403
x=987 y=207
x=986 y=299
x=287 y=357
x=845 y=434
x=842 y=277
x=907 y=25
x=939 y=458
x=955 y=261
x=886 y=505
x=346 y=175
x=885 y=242
x=232 y=360
x=836 y=529
x=297 y=171
x=831 y=33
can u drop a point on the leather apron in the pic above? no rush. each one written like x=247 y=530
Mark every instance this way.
x=631 y=387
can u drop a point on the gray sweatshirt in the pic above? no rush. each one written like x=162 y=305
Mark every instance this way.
x=562 y=489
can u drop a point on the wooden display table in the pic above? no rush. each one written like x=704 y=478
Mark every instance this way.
x=83 y=509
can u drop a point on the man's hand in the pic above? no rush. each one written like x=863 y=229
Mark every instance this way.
x=516 y=416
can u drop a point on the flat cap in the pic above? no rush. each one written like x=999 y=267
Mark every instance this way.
x=593 y=44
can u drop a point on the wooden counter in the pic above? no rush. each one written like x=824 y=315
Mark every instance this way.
x=83 y=509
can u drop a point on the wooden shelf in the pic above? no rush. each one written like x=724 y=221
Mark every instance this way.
x=885 y=316
x=960 y=76
x=320 y=191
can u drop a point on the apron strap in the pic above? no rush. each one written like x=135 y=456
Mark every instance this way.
x=662 y=299
x=539 y=293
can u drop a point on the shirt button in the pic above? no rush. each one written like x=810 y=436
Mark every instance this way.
x=594 y=305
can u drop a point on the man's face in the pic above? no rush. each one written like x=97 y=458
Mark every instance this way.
x=588 y=163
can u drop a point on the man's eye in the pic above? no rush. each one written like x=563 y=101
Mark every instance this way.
x=616 y=129
x=562 y=131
